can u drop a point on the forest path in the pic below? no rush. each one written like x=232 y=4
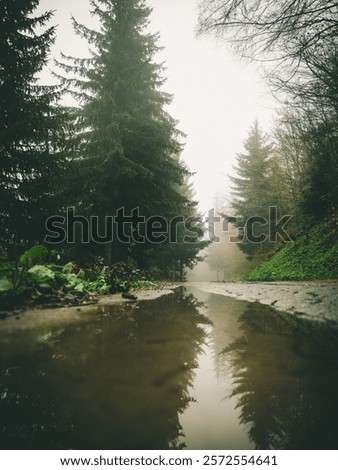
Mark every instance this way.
x=317 y=299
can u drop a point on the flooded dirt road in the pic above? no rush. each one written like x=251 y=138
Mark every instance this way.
x=191 y=370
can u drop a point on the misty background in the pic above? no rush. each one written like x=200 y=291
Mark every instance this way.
x=216 y=98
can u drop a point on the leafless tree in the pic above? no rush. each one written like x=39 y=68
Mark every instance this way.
x=293 y=35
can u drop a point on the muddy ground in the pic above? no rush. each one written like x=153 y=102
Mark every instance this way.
x=315 y=299
x=318 y=300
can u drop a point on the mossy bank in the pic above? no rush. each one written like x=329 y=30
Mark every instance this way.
x=313 y=255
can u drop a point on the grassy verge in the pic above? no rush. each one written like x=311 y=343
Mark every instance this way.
x=313 y=255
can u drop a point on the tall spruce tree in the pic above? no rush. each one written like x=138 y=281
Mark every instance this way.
x=186 y=240
x=127 y=141
x=31 y=126
x=253 y=192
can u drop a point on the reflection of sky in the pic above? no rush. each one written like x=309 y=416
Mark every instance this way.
x=216 y=98
x=212 y=422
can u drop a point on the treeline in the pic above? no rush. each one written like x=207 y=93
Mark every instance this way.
x=117 y=148
x=294 y=170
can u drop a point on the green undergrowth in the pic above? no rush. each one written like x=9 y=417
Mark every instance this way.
x=312 y=256
x=39 y=276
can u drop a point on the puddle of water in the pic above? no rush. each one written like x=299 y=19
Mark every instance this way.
x=192 y=370
x=212 y=422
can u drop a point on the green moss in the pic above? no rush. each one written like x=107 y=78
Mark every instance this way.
x=314 y=255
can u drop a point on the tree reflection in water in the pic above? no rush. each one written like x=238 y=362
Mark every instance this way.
x=119 y=381
x=285 y=378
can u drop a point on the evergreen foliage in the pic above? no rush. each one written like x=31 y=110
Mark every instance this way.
x=252 y=185
x=253 y=192
x=126 y=140
x=119 y=148
x=32 y=127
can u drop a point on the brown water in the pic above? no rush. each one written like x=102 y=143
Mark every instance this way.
x=191 y=370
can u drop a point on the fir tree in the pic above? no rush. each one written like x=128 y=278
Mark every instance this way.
x=253 y=191
x=31 y=126
x=127 y=140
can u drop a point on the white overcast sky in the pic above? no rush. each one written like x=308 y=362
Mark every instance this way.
x=216 y=96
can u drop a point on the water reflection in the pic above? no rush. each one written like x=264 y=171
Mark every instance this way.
x=117 y=382
x=212 y=421
x=285 y=379
x=196 y=370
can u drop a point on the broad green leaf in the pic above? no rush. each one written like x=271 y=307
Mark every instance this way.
x=5 y=284
x=33 y=256
x=41 y=274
